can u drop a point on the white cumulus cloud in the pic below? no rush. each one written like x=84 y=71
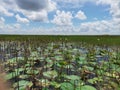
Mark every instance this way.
x=20 y=19
x=2 y=19
x=4 y=11
x=36 y=16
x=62 y=18
x=114 y=7
x=81 y=15
x=26 y=11
x=101 y=27
x=36 y=10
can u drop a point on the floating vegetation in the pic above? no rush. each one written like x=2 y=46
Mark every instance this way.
x=56 y=66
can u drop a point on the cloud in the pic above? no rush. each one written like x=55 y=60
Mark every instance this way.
x=114 y=7
x=32 y=5
x=21 y=20
x=33 y=10
x=101 y=27
x=96 y=26
x=114 y=10
x=51 y=5
x=41 y=16
x=9 y=28
x=86 y=28
x=80 y=15
x=2 y=20
x=62 y=18
x=36 y=10
x=4 y=11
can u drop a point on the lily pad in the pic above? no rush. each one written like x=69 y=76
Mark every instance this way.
x=55 y=84
x=66 y=86
x=86 y=87
x=72 y=77
x=10 y=75
x=44 y=82
x=50 y=74
x=22 y=84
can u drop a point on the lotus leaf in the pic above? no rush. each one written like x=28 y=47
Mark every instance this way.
x=50 y=74
x=72 y=77
x=22 y=84
x=44 y=82
x=85 y=87
x=66 y=86
x=55 y=84
x=11 y=75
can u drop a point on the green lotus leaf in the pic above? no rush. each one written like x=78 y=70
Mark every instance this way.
x=58 y=64
x=114 y=66
x=90 y=68
x=99 y=72
x=72 y=77
x=77 y=82
x=92 y=81
x=48 y=60
x=55 y=84
x=13 y=60
x=34 y=54
x=22 y=84
x=11 y=75
x=19 y=70
x=66 y=86
x=36 y=71
x=41 y=58
x=48 y=65
x=29 y=71
x=58 y=58
x=98 y=78
x=23 y=76
x=62 y=63
x=118 y=69
x=29 y=84
x=81 y=60
x=86 y=87
x=50 y=74
x=27 y=65
x=44 y=82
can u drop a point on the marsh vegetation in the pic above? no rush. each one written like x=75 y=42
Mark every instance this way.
x=61 y=65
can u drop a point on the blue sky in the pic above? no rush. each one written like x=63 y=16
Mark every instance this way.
x=60 y=17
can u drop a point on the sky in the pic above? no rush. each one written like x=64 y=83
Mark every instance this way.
x=60 y=17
